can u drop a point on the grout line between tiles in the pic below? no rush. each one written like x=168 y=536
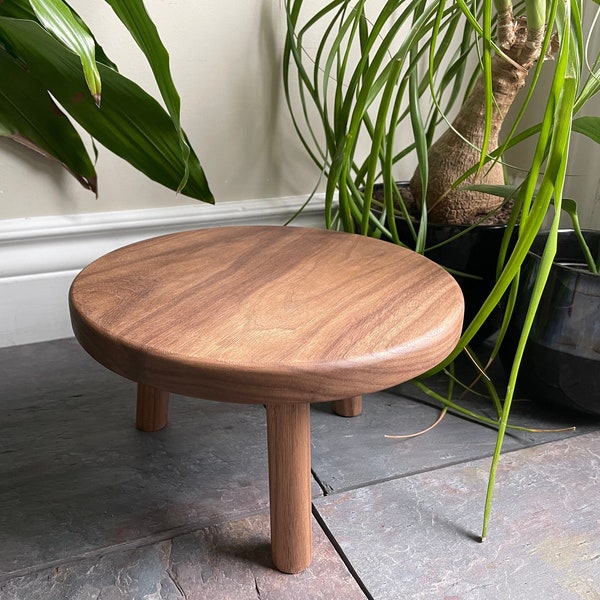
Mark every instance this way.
x=129 y=545
x=366 y=484
x=326 y=489
x=329 y=491
x=341 y=553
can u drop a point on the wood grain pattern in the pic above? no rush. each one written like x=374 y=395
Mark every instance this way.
x=278 y=315
x=348 y=407
x=288 y=436
x=253 y=314
x=152 y=411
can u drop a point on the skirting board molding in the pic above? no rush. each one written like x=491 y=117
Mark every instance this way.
x=40 y=256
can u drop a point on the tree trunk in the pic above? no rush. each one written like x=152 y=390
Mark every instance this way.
x=459 y=147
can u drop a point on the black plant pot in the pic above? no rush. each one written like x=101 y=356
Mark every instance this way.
x=561 y=364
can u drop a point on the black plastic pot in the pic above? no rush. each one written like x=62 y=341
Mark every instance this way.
x=561 y=364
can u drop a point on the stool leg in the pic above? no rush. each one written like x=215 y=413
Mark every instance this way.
x=348 y=407
x=152 y=408
x=288 y=436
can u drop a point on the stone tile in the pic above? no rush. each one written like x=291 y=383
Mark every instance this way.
x=415 y=537
x=340 y=461
x=75 y=474
x=354 y=452
x=33 y=373
x=83 y=492
x=84 y=485
x=222 y=562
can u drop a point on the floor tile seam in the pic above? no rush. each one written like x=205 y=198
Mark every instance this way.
x=375 y=482
x=320 y=483
x=526 y=445
x=340 y=552
x=129 y=545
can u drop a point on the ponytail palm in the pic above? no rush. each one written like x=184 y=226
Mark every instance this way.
x=374 y=87
x=52 y=67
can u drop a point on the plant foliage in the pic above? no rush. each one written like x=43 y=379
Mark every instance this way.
x=371 y=85
x=53 y=67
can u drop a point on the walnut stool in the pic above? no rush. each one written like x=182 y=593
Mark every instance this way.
x=280 y=316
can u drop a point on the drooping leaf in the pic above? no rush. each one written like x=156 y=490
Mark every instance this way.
x=130 y=122
x=28 y=115
x=133 y=15
x=57 y=18
x=570 y=207
x=18 y=9
x=21 y=9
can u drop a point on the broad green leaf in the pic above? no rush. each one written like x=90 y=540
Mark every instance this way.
x=18 y=9
x=130 y=122
x=29 y=116
x=21 y=9
x=589 y=126
x=134 y=16
x=58 y=19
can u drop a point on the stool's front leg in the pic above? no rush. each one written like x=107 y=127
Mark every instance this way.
x=152 y=408
x=288 y=435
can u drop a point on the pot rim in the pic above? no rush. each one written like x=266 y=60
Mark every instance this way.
x=556 y=263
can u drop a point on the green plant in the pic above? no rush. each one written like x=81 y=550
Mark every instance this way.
x=52 y=65
x=370 y=85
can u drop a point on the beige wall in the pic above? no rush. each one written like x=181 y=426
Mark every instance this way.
x=226 y=63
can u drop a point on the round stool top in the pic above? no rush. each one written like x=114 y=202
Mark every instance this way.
x=258 y=314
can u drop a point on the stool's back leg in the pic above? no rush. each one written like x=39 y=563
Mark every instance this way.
x=152 y=408
x=288 y=434
x=348 y=407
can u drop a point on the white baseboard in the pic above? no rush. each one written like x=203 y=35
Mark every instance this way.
x=40 y=256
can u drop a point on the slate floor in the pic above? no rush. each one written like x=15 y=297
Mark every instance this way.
x=91 y=508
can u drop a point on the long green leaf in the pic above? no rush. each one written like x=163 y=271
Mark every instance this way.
x=564 y=89
x=21 y=9
x=29 y=116
x=134 y=16
x=57 y=18
x=130 y=122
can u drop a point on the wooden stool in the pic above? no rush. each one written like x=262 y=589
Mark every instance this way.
x=280 y=316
